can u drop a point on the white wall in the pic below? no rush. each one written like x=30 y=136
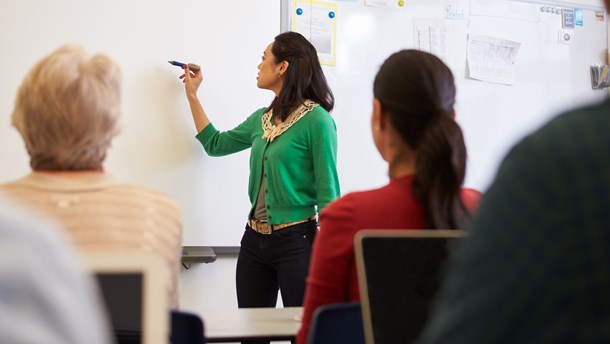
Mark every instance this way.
x=209 y=287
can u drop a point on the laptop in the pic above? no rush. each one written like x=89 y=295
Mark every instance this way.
x=399 y=273
x=134 y=292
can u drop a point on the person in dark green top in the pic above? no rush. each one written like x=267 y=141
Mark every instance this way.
x=293 y=173
x=536 y=265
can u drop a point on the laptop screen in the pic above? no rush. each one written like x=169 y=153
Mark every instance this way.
x=122 y=294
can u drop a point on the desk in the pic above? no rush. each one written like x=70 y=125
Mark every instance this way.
x=234 y=325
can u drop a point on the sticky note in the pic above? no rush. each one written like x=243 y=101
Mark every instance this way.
x=578 y=17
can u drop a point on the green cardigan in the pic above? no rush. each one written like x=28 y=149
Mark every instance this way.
x=300 y=165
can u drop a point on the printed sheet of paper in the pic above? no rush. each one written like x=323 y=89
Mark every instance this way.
x=492 y=59
x=316 y=21
x=430 y=35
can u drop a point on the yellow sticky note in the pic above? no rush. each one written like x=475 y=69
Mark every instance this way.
x=604 y=73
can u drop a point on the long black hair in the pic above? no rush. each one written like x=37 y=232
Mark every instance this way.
x=417 y=90
x=304 y=78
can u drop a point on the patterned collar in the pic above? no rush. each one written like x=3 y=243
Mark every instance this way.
x=271 y=131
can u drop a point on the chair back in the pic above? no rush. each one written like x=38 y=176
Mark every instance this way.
x=339 y=323
x=399 y=272
x=133 y=289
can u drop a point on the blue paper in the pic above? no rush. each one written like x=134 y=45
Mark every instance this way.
x=568 y=18
x=578 y=17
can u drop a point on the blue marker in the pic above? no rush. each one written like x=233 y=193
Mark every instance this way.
x=192 y=67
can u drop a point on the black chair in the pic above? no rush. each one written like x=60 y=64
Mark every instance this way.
x=186 y=328
x=399 y=273
x=339 y=323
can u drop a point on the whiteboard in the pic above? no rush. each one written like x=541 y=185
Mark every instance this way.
x=549 y=77
x=157 y=147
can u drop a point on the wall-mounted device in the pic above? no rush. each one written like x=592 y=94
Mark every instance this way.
x=600 y=78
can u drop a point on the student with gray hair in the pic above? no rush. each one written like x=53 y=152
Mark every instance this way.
x=66 y=111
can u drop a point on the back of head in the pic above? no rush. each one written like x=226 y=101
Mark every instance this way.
x=67 y=109
x=416 y=89
x=304 y=78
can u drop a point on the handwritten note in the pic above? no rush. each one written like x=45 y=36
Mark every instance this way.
x=453 y=12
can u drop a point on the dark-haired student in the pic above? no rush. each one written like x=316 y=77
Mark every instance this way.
x=415 y=132
x=293 y=174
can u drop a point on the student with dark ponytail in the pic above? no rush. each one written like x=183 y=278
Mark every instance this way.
x=415 y=132
x=415 y=93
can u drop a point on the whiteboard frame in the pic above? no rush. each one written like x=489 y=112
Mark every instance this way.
x=595 y=5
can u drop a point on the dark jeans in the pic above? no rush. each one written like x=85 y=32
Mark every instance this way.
x=277 y=261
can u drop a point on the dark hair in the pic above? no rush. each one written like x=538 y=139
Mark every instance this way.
x=304 y=78
x=417 y=91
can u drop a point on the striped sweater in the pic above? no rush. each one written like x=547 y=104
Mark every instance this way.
x=101 y=214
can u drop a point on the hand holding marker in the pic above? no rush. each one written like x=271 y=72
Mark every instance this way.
x=192 y=67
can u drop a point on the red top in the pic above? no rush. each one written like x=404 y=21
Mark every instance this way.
x=332 y=271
